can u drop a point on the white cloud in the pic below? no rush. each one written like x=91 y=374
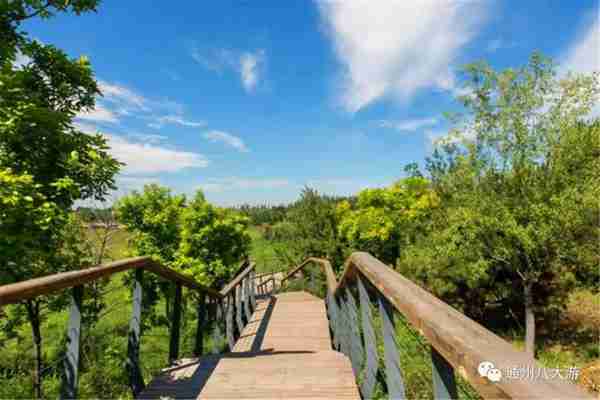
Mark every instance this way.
x=408 y=125
x=217 y=61
x=346 y=186
x=497 y=44
x=458 y=136
x=125 y=97
x=147 y=158
x=175 y=119
x=249 y=65
x=21 y=60
x=217 y=185
x=147 y=138
x=99 y=114
x=395 y=48
x=250 y=69
x=152 y=159
x=85 y=127
x=228 y=139
x=583 y=56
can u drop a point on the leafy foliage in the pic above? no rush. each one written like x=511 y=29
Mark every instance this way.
x=517 y=182
x=213 y=241
x=196 y=238
x=387 y=219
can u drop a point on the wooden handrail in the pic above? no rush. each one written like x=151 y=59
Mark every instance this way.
x=463 y=342
x=16 y=292
x=237 y=280
x=327 y=270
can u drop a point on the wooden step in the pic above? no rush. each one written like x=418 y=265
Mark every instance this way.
x=284 y=352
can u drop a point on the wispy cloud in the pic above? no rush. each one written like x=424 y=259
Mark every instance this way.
x=177 y=120
x=583 y=55
x=409 y=125
x=142 y=156
x=99 y=114
x=496 y=44
x=250 y=69
x=346 y=186
x=123 y=96
x=227 y=138
x=380 y=45
x=21 y=60
x=249 y=65
x=216 y=185
x=147 y=138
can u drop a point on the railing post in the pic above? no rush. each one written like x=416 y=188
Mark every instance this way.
x=71 y=362
x=216 y=334
x=391 y=360
x=354 y=339
x=136 y=380
x=175 y=326
x=370 y=340
x=444 y=384
x=238 y=309
x=200 y=324
x=229 y=322
x=246 y=299
x=253 y=290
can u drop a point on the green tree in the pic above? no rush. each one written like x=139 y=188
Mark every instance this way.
x=310 y=228
x=51 y=163
x=386 y=220
x=213 y=241
x=516 y=177
x=153 y=217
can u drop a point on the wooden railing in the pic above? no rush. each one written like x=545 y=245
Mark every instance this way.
x=237 y=298
x=457 y=343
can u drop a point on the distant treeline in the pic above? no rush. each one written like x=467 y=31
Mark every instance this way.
x=271 y=214
x=92 y=214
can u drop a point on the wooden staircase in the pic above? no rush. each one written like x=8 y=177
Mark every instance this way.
x=284 y=352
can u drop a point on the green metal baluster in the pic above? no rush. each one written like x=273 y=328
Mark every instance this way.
x=136 y=381
x=200 y=324
x=444 y=384
x=71 y=363
x=175 y=326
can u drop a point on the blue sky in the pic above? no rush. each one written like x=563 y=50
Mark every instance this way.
x=250 y=101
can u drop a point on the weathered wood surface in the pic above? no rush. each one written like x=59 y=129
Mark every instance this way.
x=284 y=352
x=31 y=288
x=266 y=283
x=237 y=280
x=461 y=341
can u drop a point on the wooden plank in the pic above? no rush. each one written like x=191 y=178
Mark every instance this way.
x=293 y=359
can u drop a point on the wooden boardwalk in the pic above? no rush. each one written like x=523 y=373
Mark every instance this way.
x=284 y=352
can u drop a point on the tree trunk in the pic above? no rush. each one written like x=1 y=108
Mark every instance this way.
x=529 y=321
x=33 y=313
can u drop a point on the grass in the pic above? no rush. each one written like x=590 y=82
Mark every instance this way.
x=104 y=345
x=263 y=252
x=118 y=245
